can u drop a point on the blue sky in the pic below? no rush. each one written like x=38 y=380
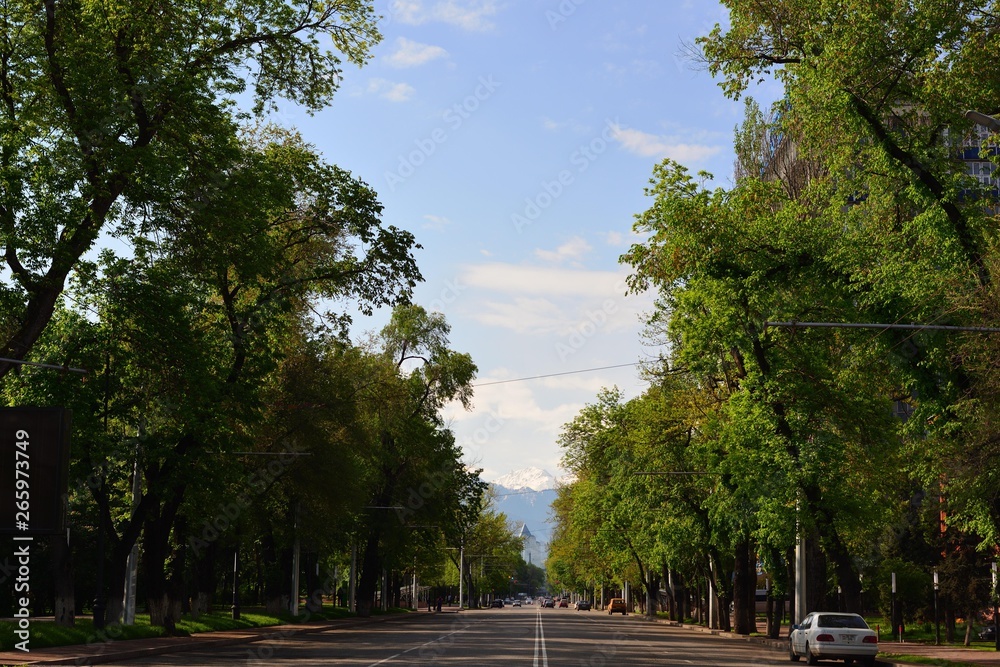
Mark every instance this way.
x=515 y=139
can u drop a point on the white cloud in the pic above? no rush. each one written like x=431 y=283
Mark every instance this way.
x=550 y=301
x=522 y=315
x=394 y=92
x=573 y=249
x=535 y=280
x=570 y=124
x=644 y=144
x=436 y=222
x=614 y=238
x=409 y=53
x=473 y=15
x=516 y=424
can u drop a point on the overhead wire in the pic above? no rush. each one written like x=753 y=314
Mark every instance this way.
x=552 y=375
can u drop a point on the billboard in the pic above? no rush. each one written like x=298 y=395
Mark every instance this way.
x=34 y=470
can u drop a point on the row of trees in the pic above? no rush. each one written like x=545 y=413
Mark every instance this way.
x=225 y=412
x=851 y=205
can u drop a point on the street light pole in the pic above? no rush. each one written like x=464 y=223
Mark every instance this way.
x=236 y=584
x=892 y=617
x=996 y=613
x=937 y=620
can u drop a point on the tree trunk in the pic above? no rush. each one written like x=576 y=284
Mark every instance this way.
x=114 y=581
x=816 y=589
x=743 y=589
x=62 y=582
x=652 y=584
x=314 y=592
x=671 y=585
x=204 y=580
x=368 y=576
x=154 y=555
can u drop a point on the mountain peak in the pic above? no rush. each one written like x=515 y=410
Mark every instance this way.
x=532 y=478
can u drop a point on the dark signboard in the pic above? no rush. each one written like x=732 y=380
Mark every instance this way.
x=34 y=470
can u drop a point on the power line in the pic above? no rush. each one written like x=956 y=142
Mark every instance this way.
x=873 y=325
x=552 y=375
x=520 y=493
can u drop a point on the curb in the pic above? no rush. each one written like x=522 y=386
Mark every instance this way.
x=182 y=644
x=774 y=644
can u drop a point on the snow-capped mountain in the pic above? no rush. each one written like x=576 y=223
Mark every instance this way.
x=526 y=496
x=535 y=479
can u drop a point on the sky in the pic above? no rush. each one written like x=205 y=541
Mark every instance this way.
x=515 y=138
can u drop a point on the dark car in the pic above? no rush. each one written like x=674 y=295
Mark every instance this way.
x=583 y=605
x=989 y=632
x=496 y=604
x=549 y=602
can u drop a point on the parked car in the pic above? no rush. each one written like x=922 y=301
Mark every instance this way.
x=583 y=605
x=989 y=632
x=617 y=604
x=833 y=636
x=496 y=604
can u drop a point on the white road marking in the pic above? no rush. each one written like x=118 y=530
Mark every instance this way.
x=414 y=648
x=540 y=642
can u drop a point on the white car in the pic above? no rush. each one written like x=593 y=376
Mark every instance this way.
x=831 y=636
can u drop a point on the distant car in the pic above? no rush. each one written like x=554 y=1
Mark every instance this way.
x=619 y=605
x=989 y=632
x=496 y=604
x=583 y=605
x=549 y=602
x=516 y=603
x=830 y=636
x=564 y=603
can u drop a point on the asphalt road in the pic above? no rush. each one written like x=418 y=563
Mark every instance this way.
x=510 y=636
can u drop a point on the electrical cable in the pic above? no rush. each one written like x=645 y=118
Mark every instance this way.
x=552 y=375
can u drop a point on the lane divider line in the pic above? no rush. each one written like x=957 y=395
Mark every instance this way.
x=540 y=642
x=433 y=641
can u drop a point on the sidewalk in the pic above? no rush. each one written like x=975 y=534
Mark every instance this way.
x=102 y=652
x=955 y=654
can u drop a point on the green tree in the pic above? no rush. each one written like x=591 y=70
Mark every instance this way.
x=411 y=462
x=804 y=409
x=881 y=112
x=193 y=329
x=106 y=106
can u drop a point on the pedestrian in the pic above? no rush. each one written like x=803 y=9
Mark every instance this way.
x=440 y=600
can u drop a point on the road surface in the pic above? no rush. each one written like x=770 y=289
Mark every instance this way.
x=510 y=636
